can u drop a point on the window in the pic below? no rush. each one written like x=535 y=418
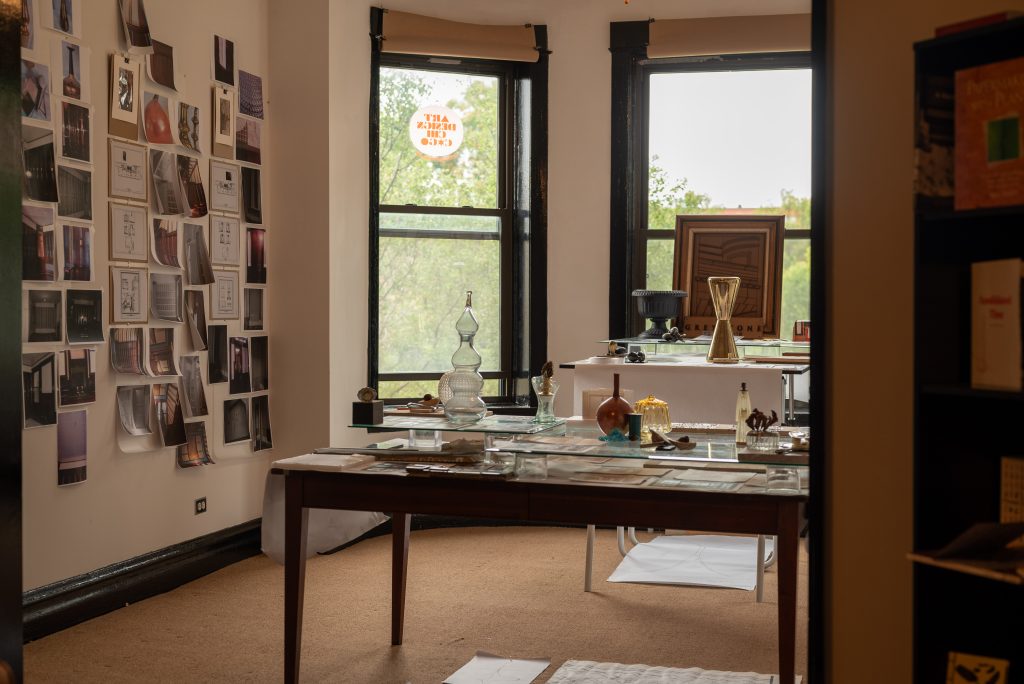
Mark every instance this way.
x=446 y=223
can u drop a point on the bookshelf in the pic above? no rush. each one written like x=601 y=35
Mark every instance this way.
x=960 y=433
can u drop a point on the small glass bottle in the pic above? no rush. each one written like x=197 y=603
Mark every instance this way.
x=742 y=412
x=466 y=405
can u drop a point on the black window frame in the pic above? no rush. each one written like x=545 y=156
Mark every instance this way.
x=521 y=209
x=631 y=79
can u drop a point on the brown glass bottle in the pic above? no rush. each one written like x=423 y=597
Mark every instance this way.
x=613 y=411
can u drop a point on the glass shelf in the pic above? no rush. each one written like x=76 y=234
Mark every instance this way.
x=506 y=425
x=706 y=341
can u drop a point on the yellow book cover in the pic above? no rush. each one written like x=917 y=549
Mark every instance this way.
x=965 y=668
x=988 y=164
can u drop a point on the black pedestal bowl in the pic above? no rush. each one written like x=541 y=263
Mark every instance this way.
x=659 y=306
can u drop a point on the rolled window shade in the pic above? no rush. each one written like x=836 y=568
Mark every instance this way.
x=729 y=35
x=415 y=34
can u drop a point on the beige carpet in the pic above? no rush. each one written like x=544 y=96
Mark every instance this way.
x=511 y=591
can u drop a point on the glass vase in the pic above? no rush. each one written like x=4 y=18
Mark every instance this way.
x=465 y=381
x=545 y=389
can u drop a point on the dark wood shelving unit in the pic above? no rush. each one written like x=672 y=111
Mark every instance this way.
x=960 y=433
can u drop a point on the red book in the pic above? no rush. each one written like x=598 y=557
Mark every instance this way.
x=968 y=24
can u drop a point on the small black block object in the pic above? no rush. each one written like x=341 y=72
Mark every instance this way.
x=368 y=412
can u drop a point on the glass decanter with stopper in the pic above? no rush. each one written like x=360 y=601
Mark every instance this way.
x=465 y=381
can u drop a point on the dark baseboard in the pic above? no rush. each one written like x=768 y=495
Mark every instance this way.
x=62 y=604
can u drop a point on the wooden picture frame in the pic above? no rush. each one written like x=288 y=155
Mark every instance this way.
x=727 y=245
x=225 y=187
x=121 y=311
x=128 y=238
x=224 y=296
x=127 y=172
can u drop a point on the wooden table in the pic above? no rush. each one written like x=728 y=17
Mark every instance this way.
x=551 y=500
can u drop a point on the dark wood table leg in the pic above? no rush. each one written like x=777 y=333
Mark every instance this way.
x=400 y=526
x=786 y=542
x=295 y=518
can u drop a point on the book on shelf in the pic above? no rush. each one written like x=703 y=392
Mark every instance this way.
x=988 y=165
x=976 y=22
x=965 y=668
x=933 y=148
x=996 y=358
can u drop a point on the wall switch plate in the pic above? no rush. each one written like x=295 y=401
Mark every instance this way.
x=200 y=505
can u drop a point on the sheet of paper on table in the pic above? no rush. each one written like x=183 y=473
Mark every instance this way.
x=321 y=462
x=609 y=478
x=486 y=668
x=705 y=475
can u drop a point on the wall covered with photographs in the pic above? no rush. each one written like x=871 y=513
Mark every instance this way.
x=146 y=355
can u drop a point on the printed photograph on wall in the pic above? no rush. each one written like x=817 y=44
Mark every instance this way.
x=127 y=171
x=72 y=445
x=225 y=186
x=39 y=180
x=84 y=316
x=223 y=60
x=135 y=25
x=167 y=195
x=195 y=313
x=192 y=183
x=74 y=61
x=238 y=379
x=35 y=91
x=198 y=269
x=38 y=244
x=256 y=256
x=129 y=295
x=77 y=253
x=167 y=407
x=250 y=94
x=192 y=387
x=224 y=241
x=134 y=408
x=67 y=16
x=236 y=421
x=223 y=123
x=165 y=296
x=38 y=389
x=165 y=242
x=188 y=126
x=224 y=304
x=126 y=350
x=161 y=352
x=43 y=314
x=253 y=316
x=252 y=199
x=261 y=436
x=195 y=451
x=76 y=378
x=259 y=363
x=161 y=65
x=217 y=359
x=74 y=192
x=129 y=238
x=28 y=25
x=124 y=97
x=247 y=140
x=156 y=119
x=74 y=132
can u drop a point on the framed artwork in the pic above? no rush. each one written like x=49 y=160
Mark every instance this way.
x=225 y=186
x=127 y=166
x=129 y=301
x=225 y=241
x=749 y=247
x=224 y=302
x=129 y=233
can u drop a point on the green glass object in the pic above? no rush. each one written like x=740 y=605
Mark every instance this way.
x=465 y=381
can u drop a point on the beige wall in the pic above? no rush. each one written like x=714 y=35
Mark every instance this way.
x=133 y=503
x=870 y=293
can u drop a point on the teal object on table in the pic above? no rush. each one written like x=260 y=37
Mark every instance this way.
x=616 y=435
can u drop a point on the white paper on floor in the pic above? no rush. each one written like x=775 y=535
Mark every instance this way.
x=587 y=672
x=486 y=668
x=699 y=559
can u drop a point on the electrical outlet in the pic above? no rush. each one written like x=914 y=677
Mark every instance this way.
x=200 y=505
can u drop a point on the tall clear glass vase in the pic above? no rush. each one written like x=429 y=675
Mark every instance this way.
x=465 y=381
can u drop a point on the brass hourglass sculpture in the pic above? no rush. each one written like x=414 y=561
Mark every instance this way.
x=723 y=296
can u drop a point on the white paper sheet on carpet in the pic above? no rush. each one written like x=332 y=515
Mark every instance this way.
x=588 y=672
x=486 y=668
x=699 y=559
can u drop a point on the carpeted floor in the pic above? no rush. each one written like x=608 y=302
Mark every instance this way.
x=511 y=591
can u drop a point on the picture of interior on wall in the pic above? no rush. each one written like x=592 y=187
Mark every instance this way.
x=252 y=198
x=192 y=183
x=124 y=98
x=261 y=436
x=38 y=247
x=38 y=389
x=66 y=16
x=188 y=126
x=256 y=256
x=134 y=408
x=156 y=119
x=195 y=451
x=161 y=351
x=250 y=94
x=165 y=242
x=167 y=406
x=84 y=319
x=75 y=83
x=43 y=314
x=72 y=447
x=260 y=366
x=218 y=356
x=239 y=381
x=28 y=24
x=76 y=376
x=39 y=180
x=75 y=138
x=77 y=253
x=247 y=140
x=74 y=193
x=126 y=350
x=167 y=196
x=223 y=60
x=253 y=318
x=165 y=296
x=236 y=421
x=198 y=268
x=161 y=65
x=192 y=387
x=135 y=25
x=35 y=91
x=195 y=313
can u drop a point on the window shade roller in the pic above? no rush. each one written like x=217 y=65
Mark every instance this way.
x=729 y=35
x=415 y=34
